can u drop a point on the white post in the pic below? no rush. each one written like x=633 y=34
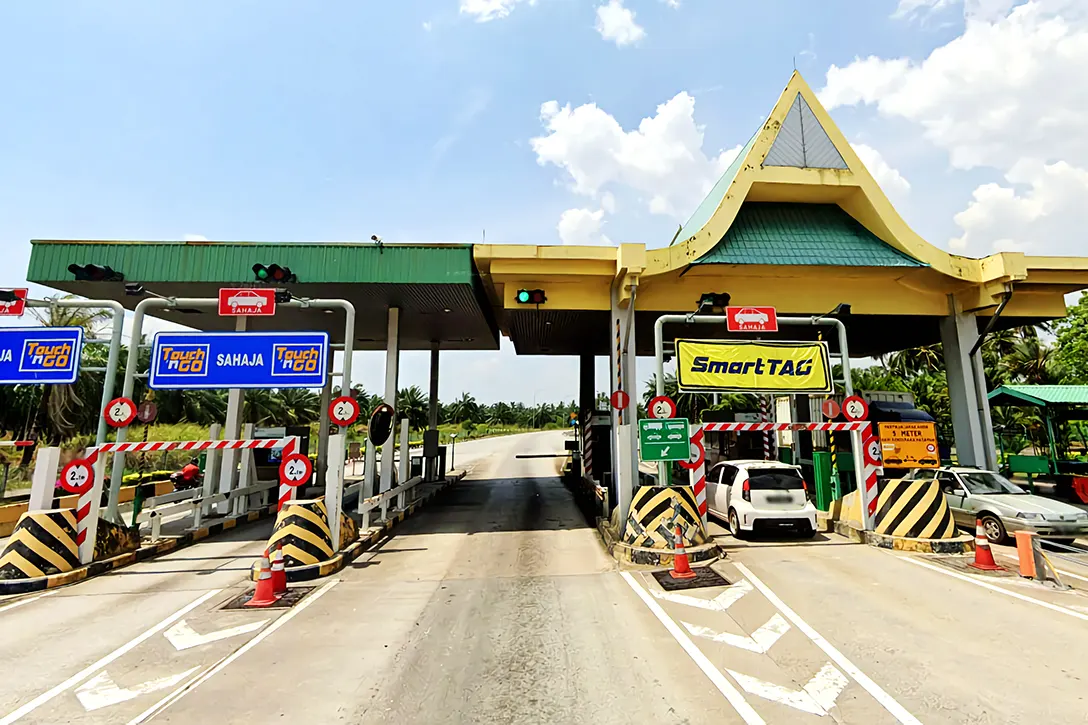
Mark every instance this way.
x=369 y=470
x=324 y=425
x=334 y=485
x=245 y=478
x=86 y=549
x=44 y=481
x=404 y=462
x=235 y=400
x=392 y=360
x=211 y=468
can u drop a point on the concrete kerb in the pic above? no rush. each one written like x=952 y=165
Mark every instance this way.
x=962 y=544
x=144 y=553
x=638 y=556
x=366 y=538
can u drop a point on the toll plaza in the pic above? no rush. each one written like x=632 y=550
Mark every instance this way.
x=794 y=264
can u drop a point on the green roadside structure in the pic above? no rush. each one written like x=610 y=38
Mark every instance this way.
x=1059 y=406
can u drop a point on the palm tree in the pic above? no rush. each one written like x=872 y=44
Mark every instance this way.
x=262 y=407
x=300 y=405
x=1033 y=362
x=464 y=408
x=927 y=359
x=412 y=404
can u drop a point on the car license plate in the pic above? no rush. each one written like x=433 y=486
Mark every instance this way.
x=778 y=499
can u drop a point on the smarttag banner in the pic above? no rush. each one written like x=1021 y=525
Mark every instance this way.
x=742 y=366
x=209 y=360
x=40 y=355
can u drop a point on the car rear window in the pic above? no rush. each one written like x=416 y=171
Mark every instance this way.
x=774 y=479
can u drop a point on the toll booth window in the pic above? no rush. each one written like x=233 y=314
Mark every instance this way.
x=774 y=479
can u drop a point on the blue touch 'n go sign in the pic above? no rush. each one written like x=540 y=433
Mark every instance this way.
x=207 y=360
x=40 y=355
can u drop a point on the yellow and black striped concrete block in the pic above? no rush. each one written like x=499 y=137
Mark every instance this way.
x=43 y=543
x=113 y=540
x=302 y=527
x=349 y=531
x=655 y=513
x=915 y=510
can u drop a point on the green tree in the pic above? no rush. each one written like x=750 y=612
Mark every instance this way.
x=1072 y=342
x=412 y=404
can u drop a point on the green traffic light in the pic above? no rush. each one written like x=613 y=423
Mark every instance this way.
x=523 y=295
x=262 y=273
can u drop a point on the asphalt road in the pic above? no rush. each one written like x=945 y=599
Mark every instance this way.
x=497 y=604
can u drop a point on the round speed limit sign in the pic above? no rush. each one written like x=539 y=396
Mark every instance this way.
x=661 y=407
x=855 y=408
x=295 y=470
x=872 y=452
x=77 y=477
x=343 y=411
x=120 y=412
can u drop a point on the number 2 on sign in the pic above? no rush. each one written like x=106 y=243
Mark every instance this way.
x=295 y=470
x=119 y=411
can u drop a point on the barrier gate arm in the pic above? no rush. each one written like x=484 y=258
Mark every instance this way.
x=169 y=302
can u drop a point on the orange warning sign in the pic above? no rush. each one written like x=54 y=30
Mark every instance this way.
x=909 y=445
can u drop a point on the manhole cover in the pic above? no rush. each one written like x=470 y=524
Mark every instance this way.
x=288 y=600
x=704 y=577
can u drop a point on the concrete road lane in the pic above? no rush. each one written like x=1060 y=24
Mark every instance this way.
x=495 y=605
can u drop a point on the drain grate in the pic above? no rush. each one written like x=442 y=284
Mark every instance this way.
x=288 y=600
x=704 y=577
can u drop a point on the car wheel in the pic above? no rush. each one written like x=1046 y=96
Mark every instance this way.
x=734 y=525
x=808 y=532
x=994 y=529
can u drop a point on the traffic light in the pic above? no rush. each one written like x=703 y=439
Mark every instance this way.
x=274 y=274
x=714 y=300
x=95 y=273
x=531 y=297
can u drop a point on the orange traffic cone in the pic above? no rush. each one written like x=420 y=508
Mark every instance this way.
x=279 y=573
x=263 y=596
x=680 y=567
x=984 y=558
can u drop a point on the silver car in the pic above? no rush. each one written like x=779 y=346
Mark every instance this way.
x=1002 y=506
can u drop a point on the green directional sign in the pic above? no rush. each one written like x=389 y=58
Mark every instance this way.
x=663 y=439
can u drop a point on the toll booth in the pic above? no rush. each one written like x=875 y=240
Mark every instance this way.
x=267 y=460
x=597 y=450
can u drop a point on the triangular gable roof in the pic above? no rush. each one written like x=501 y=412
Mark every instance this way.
x=798 y=129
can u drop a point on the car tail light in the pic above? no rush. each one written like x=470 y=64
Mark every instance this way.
x=804 y=485
x=746 y=491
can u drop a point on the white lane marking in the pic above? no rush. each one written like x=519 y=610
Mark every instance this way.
x=999 y=590
x=28 y=600
x=91 y=669
x=887 y=701
x=222 y=664
x=816 y=697
x=182 y=636
x=101 y=691
x=759 y=642
x=719 y=603
x=732 y=694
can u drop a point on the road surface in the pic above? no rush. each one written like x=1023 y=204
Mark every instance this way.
x=497 y=604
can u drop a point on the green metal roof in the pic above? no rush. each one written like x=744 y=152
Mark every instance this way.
x=232 y=262
x=802 y=234
x=436 y=287
x=713 y=200
x=1039 y=395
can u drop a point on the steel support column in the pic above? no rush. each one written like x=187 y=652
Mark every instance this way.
x=958 y=333
x=392 y=365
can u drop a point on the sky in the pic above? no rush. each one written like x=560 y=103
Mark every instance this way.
x=525 y=121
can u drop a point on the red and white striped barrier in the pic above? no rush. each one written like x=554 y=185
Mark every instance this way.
x=587 y=448
x=83 y=508
x=765 y=417
x=868 y=453
x=16 y=444
x=698 y=474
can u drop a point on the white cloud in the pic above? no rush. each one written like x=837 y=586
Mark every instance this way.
x=1007 y=94
x=889 y=179
x=427 y=26
x=486 y=10
x=617 y=23
x=608 y=202
x=662 y=160
x=195 y=238
x=582 y=226
x=913 y=8
x=672 y=3
x=1048 y=217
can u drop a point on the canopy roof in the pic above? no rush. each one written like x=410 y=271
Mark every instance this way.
x=1040 y=396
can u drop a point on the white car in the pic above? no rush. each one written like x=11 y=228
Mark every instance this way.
x=246 y=299
x=749 y=316
x=760 y=496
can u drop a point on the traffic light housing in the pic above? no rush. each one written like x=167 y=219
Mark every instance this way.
x=531 y=297
x=95 y=273
x=714 y=300
x=274 y=274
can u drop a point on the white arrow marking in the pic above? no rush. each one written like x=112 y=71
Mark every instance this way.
x=719 y=603
x=182 y=636
x=816 y=697
x=760 y=641
x=665 y=450
x=101 y=691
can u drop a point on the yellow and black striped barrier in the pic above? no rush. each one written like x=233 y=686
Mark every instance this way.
x=43 y=542
x=914 y=509
x=302 y=528
x=655 y=513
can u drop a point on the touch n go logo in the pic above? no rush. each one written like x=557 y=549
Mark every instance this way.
x=47 y=356
x=183 y=360
x=290 y=359
x=40 y=355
